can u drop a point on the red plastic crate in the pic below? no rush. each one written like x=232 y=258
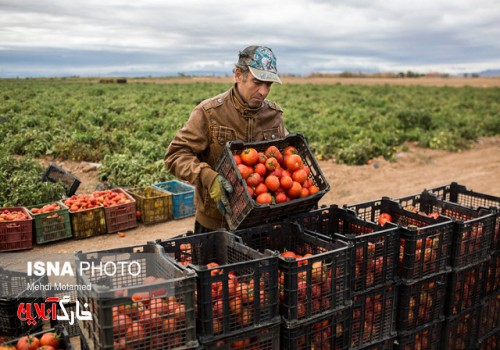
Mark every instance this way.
x=425 y=242
x=427 y=336
x=376 y=247
x=237 y=292
x=121 y=217
x=460 y=194
x=373 y=315
x=328 y=331
x=246 y=211
x=266 y=337
x=465 y=288
x=16 y=235
x=150 y=306
x=421 y=302
x=308 y=285
x=460 y=331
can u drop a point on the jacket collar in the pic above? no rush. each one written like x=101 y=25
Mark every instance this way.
x=240 y=105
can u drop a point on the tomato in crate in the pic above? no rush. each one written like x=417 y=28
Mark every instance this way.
x=51 y=222
x=237 y=286
x=427 y=336
x=472 y=228
x=119 y=209
x=314 y=272
x=51 y=338
x=376 y=246
x=16 y=229
x=425 y=242
x=251 y=204
x=137 y=297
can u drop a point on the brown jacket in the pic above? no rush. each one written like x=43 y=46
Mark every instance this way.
x=196 y=147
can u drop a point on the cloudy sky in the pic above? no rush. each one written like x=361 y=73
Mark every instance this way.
x=171 y=37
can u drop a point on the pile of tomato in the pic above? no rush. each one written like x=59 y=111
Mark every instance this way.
x=13 y=215
x=150 y=316
x=47 y=341
x=47 y=208
x=108 y=198
x=275 y=176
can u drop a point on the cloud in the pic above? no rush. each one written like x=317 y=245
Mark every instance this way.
x=96 y=37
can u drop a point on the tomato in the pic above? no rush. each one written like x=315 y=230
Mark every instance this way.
x=150 y=320
x=288 y=254
x=272 y=182
x=253 y=179
x=274 y=152
x=280 y=198
x=383 y=218
x=295 y=191
x=260 y=169
x=264 y=198
x=290 y=150
x=28 y=342
x=286 y=182
x=299 y=175
x=53 y=339
x=313 y=189
x=272 y=164
x=260 y=188
x=237 y=159
x=135 y=333
x=293 y=162
x=245 y=171
x=250 y=156
x=262 y=157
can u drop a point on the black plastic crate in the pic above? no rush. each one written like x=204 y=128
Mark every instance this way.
x=65 y=343
x=465 y=288
x=427 y=336
x=14 y=296
x=425 y=242
x=55 y=173
x=491 y=342
x=387 y=344
x=421 y=302
x=262 y=338
x=460 y=194
x=460 y=331
x=373 y=316
x=376 y=247
x=473 y=228
x=237 y=286
x=70 y=298
x=148 y=304
x=489 y=316
x=328 y=331
x=317 y=281
x=492 y=274
x=246 y=211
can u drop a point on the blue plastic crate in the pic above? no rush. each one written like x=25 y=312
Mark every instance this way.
x=182 y=197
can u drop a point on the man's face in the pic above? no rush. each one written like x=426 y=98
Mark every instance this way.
x=253 y=91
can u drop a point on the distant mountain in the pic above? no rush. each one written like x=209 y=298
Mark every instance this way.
x=490 y=73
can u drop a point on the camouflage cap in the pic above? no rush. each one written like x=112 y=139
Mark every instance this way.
x=261 y=62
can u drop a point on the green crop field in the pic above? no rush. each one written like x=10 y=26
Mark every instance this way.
x=127 y=127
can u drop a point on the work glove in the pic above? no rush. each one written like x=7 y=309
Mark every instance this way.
x=218 y=192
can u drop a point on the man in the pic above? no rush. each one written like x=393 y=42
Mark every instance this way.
x=241 y=113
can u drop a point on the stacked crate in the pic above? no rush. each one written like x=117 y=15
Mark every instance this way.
x=424 y=252
x=15 y=295
x=237 y=289
x=374 y=279
x=148 y=303
x=314 y=286
x=488 y=336
x=472 y=232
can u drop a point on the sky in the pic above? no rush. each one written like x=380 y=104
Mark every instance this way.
x=192 y=37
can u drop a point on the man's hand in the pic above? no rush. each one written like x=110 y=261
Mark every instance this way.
x=218 y=191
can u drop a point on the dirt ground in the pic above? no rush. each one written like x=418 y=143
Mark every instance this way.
x=412 y=171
